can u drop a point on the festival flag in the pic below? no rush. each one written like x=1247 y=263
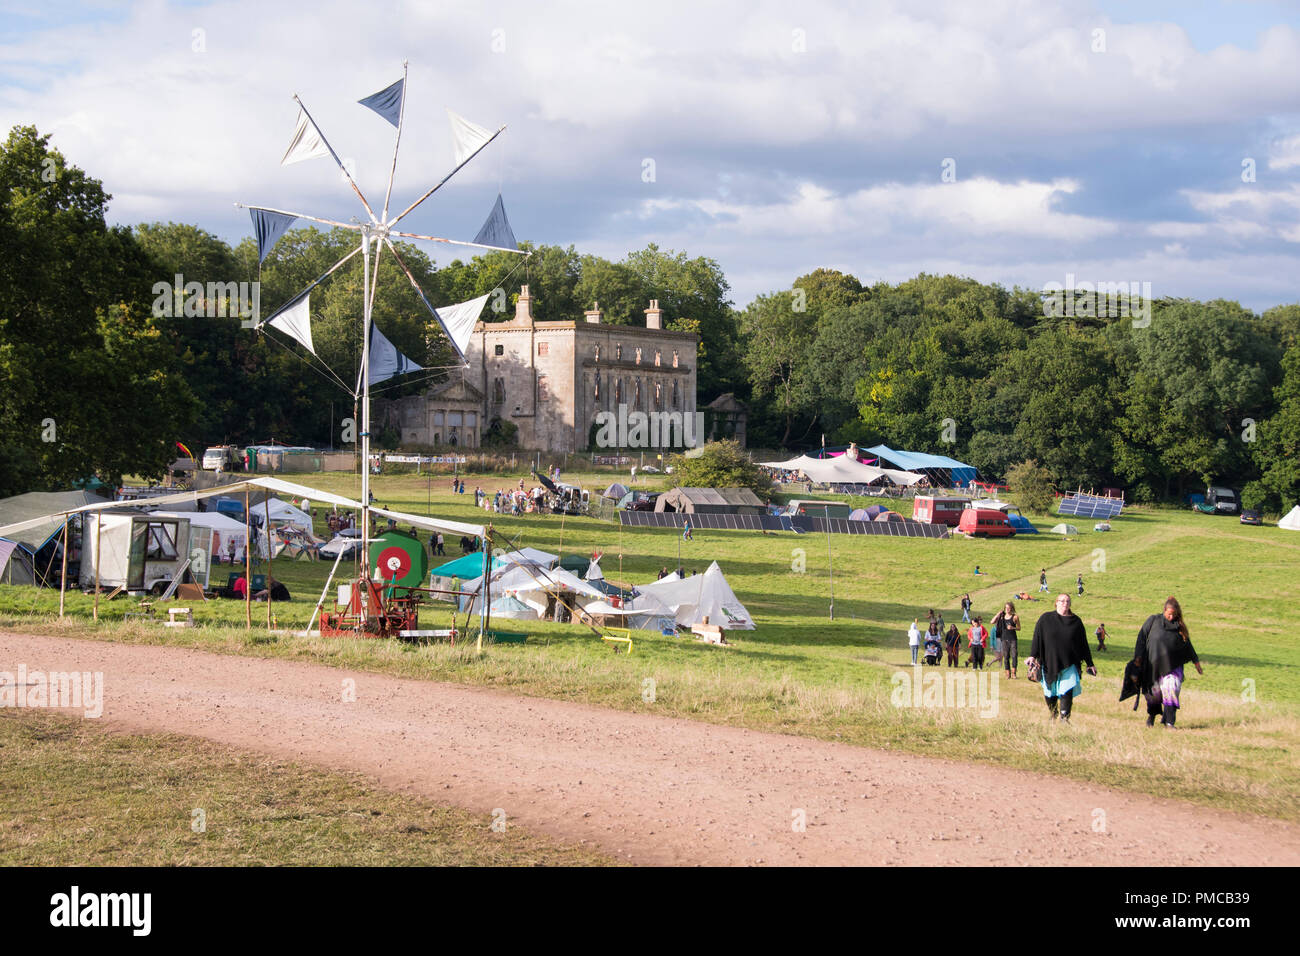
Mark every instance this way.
x=294 y=319
x=387 y=102
x=458 y=321
x=496 y=231
x=466 y=137
x=385 y=360
x=307 y=141
x=268 y=227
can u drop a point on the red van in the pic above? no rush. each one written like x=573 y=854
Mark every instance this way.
x=939 y=509
x=985 y=523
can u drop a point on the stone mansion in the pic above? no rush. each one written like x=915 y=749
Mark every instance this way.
x=550 y=379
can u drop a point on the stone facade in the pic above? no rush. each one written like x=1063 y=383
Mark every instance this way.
x=450 y=413
x=551 y=379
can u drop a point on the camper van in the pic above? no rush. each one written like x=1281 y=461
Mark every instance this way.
x=985 y=523
x=939 y=509
x=138 y=552
x=221 y=456
x=1223 y=500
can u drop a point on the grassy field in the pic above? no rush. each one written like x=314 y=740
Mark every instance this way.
x=801 y=673
x=77 y=796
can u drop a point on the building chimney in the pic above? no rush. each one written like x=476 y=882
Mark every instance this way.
x=654 y=316
x=593 y=314
x=524 y=306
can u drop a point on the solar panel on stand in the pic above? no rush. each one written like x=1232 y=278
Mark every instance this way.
x=1090 y=506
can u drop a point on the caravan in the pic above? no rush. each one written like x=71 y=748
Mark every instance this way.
x=138 y=552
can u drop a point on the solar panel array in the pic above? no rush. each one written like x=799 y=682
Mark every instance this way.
x=799 y=524
x=1090 y=506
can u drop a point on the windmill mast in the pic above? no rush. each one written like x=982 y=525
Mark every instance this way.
x=365 y=403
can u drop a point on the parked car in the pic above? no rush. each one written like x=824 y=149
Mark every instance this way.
x=346 y=543
x=985 y=523
x=1250 y=517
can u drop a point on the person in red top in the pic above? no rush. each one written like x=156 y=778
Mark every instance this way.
x=977 y=637
x=241 y=587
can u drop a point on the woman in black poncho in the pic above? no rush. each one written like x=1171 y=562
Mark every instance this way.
x=1060 y=649
x=1163 y=648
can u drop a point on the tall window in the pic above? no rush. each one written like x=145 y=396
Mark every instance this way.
x=597 y=353
x=659 y=397
x=618 y=392
x=636 y=404
x=596 y=394
x=499 y=391
x=618 y=353
x=638 y=355
x=676 y=403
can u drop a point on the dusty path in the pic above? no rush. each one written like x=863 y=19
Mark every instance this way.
x=650 y=789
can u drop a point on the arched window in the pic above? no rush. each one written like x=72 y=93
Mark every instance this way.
x=674 y=358
x=638 y=355
x=618 y=392
x=676 y=402
x=597 y=390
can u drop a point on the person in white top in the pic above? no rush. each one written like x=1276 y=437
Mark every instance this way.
x=914 y=639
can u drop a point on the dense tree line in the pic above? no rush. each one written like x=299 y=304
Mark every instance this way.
x=1203 y=392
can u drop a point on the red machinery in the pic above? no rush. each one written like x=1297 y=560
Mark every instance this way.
x=373 y=610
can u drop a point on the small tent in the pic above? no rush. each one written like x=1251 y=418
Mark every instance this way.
x=511 y=607
x=1292 y=520
x=283 y=513
x=690 y=600
x=615 y=491
x=1066 y=529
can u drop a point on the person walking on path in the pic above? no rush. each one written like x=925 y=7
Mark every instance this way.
x=1008 y=624
x=965 y=608
x=1101 y=637
x=914 y=639
x=977 y=637
x=1042 y=580
x=1164 y=647
x=1079 y=583
x=1060 y=646
x=952 y=643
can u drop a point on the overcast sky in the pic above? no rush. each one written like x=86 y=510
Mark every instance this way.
x=1103 y=139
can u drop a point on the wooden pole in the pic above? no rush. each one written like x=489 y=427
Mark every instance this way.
x=248 y=568
x=63 y=577
x=99 y=538
x=485 y=592
x=270 y=554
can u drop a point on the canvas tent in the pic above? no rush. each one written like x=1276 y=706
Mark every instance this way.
x=283 y=513
x=689 y=600
x=16 y=564
x=41 y=515
x=512 y=608
x=843 y=470
x=1292 y=520
x=712 y=501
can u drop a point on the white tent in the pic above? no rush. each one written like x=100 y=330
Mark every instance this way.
x=530 y=556
x=1292 y=520
x=594 y=573
x=283 y=513
x=843 y=470
x=689 y=600
x=508 y=606
x=532 y=585
x=225 y=529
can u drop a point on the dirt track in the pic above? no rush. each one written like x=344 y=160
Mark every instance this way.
x=648 y=789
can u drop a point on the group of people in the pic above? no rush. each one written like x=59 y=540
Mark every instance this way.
x=937 y=643
x=1059 y=654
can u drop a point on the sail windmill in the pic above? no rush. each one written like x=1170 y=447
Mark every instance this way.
x=380 y=359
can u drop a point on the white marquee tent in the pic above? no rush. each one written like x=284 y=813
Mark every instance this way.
x=1292 y=520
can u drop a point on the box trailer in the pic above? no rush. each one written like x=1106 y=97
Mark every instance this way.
x=135 y=551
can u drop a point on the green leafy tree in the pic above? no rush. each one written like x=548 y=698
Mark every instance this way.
x=87 y=381
x=1032 y=486
x=720 y=464
x=777 y=341
x=1277 y=448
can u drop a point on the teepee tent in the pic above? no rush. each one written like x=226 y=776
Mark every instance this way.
x=1292 y=520
x=690 y=600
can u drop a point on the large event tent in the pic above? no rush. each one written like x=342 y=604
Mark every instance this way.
x=843 y=470
x=941 y=469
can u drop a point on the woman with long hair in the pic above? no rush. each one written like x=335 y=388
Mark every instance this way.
x=1164 y=646
x=1007 y=624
